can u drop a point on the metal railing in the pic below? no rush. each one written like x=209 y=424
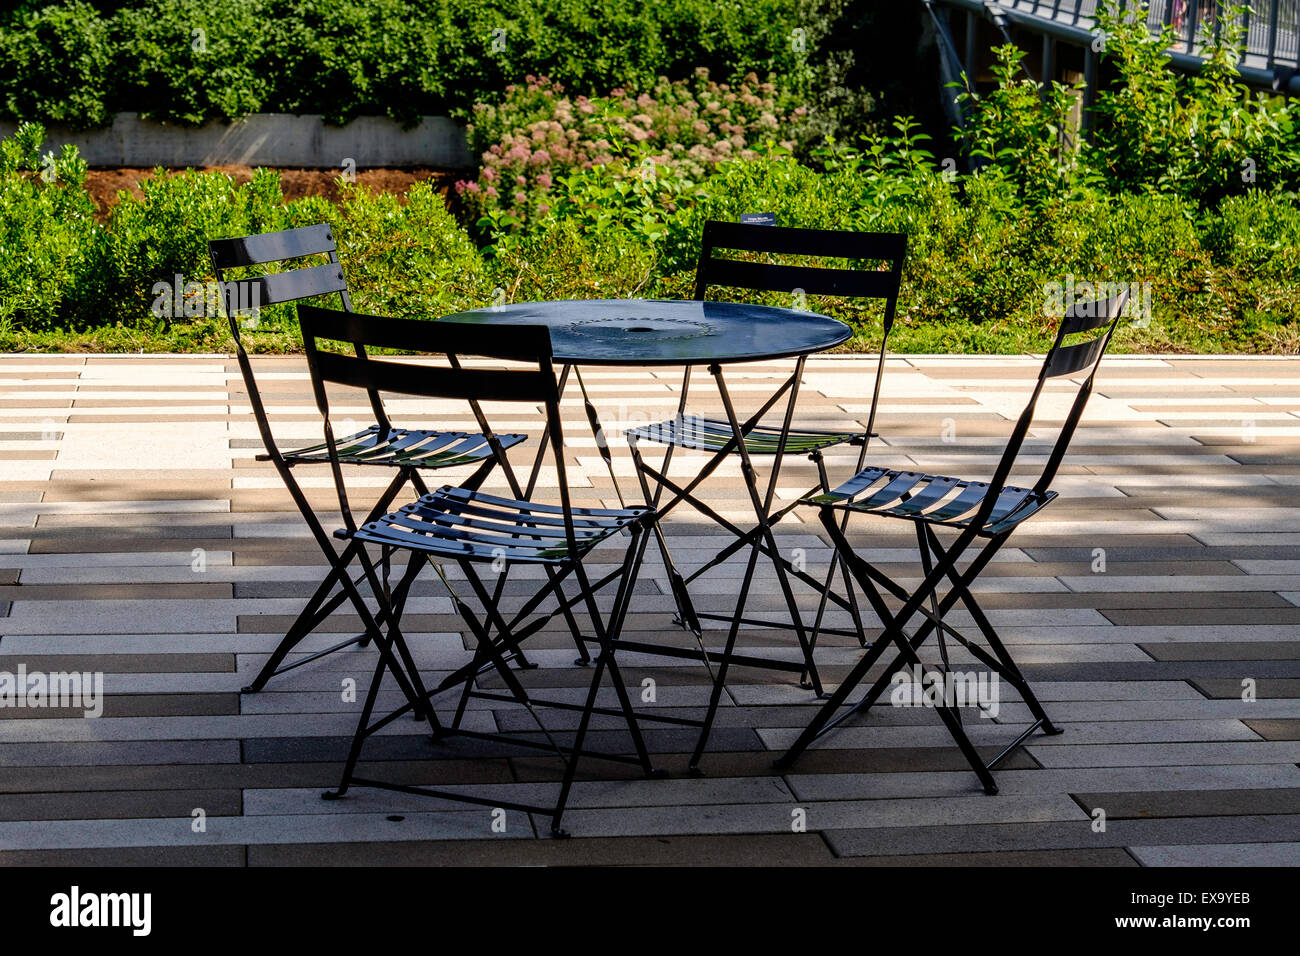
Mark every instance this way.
x=1272 y=26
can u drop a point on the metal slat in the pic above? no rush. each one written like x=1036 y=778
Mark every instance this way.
x=900 y=482
x=1069 y=359
x=971 y=496
x=857 y=484
x=273 y=247
x=934 y=492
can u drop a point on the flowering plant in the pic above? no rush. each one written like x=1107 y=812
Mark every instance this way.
x=677 y=131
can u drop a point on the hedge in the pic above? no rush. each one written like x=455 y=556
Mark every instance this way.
x=188 y=61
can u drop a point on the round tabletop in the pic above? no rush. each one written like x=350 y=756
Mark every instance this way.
x=667 y=332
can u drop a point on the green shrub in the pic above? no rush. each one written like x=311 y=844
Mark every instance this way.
x=407 y=257
x=562 y=260
x=49 y=242
x=61 y=270
x=1259 y=232
x=54 y=65
x=1021 y=128
x=1202 y=136
x=982 y=253
x=165 y=233
x=403 y=58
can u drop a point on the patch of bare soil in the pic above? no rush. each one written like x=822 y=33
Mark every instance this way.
x=105 y=184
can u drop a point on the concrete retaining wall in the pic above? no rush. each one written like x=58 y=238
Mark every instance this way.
x=267 y=139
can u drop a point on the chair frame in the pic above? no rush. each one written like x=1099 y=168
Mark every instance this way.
x=714 y=270
x=497 y=637
x=998 y=508
x=291 y=286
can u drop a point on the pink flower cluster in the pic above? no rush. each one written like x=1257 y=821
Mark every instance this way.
x=537 y=134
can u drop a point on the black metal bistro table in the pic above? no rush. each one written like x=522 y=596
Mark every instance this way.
x=688 y=334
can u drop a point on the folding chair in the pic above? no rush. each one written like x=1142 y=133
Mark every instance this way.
x=407 y=451
x=718 y=436
x=976 y=510
x=466 y=527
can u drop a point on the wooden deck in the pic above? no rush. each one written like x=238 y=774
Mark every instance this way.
x=139 y=539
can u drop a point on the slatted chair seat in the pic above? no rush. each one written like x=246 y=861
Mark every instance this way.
x=405 y=447
x=976 y=509
x=709 y=434
x=458 y=523
x=951 y=502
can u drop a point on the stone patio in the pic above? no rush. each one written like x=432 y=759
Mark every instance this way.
x=139 y=538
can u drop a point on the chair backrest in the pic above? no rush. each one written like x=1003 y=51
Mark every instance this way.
x=1072 y=353
x=888 y=247
x=518 y=343
x=289 y=286
x=715 y=270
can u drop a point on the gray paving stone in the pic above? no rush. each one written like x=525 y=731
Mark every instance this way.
x=118 y=804
x=1197 y=831
x=1231 y=854
x=77 y=754
x=1166 y=754
x=314 y=828
x=779 y=818
x=751 y=849
x=1229 y=687
x=1143 y=664
x=1283 y=729
x=1195 y=803
x=1014 y=858
x=128 y=856
x=1225 y=651
x=1272 y=782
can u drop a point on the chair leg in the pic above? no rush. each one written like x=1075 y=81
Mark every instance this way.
x=950 y=719
x=386 y=662
x=419 y=701
x=609 y=634
x=686 y=617
x=359 y=737
x=317 y=608
x=715 y=694
x=571 y=762
x=894 y=625
x=606 y=635
x=833 y=703
x=303 y=625
x=1012 y=670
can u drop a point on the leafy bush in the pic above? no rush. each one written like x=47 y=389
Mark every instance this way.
x=405 y=256
x=1021 y=128
x=982 y=249
x=54 y=65
x=49 y=241
x=59 y=269
x=188 y=61
x=165 y=233
x=1203 y=136
x=1256 y=232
